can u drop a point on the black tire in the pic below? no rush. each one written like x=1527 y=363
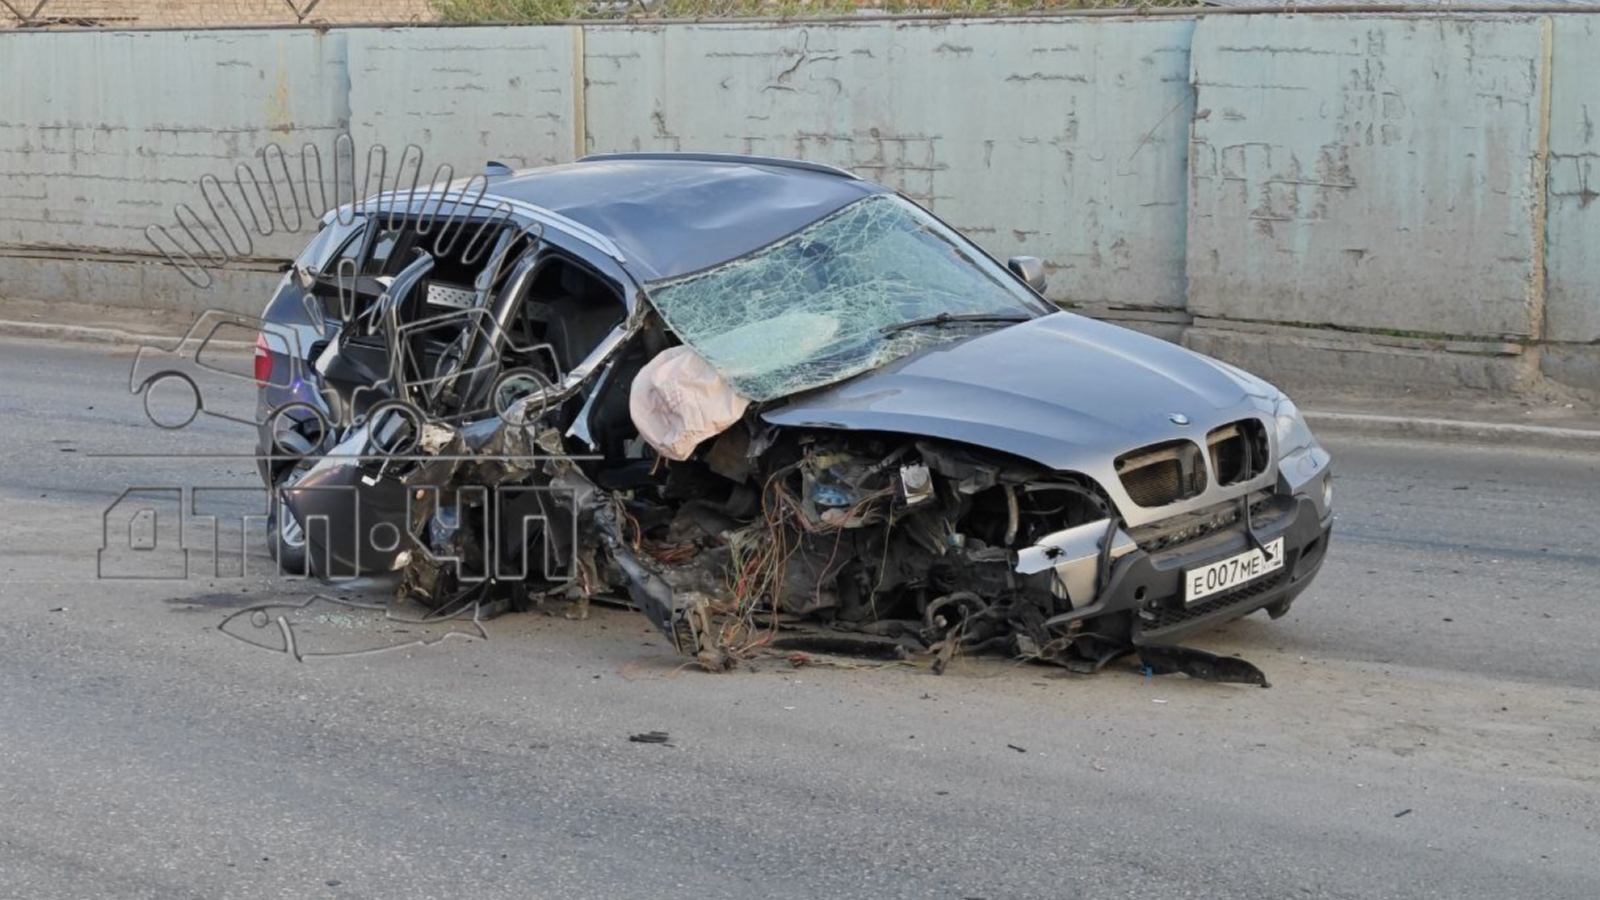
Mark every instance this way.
x=289 y=554
x=286 y=541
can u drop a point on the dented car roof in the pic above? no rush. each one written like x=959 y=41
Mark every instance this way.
x=679 y=214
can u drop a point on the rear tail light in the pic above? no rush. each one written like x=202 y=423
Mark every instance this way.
x=263 y=361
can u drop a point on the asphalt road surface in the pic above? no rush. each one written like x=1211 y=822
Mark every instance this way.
x=1433 y=729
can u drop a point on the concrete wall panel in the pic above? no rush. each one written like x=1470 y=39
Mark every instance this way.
x=466 y=95
x=101 y=134
x=1572 y=261
x=1064 y=140
x=147 y=285
x=1367 y=173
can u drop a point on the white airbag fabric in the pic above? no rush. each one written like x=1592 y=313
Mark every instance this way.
x=678 y=400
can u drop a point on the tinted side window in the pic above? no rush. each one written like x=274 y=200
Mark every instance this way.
x=334 y=242
x=388 y=254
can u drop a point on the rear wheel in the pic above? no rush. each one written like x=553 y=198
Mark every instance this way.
x=286 y=540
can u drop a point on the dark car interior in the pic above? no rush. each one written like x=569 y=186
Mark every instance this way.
x=574 y=311
x=566 y=312
x=364 y=270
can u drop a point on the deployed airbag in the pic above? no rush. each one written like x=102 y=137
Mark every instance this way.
x=678 y=400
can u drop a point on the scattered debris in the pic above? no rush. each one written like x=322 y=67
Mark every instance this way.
x=1200 y=664
x=857 y=646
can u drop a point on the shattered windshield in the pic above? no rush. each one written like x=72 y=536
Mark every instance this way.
x=823 y=304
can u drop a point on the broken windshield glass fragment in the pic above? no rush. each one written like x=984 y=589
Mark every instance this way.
x=829 y=302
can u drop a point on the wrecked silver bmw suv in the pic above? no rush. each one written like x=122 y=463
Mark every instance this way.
x=772 y=405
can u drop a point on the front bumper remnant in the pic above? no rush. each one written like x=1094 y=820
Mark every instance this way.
x=1148 y=587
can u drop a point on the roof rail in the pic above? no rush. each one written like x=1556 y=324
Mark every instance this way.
x=776 y=161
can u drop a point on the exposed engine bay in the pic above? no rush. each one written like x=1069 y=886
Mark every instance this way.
x=872 y=545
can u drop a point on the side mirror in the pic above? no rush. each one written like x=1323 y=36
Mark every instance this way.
x=1029 y=269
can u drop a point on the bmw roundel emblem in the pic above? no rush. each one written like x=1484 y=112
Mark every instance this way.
x=1177 y=418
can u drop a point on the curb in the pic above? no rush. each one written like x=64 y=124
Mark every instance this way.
x=53 y=331
x=85 y=334
x=1454 y=431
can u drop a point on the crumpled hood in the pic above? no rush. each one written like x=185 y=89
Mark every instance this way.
x=1063 y=391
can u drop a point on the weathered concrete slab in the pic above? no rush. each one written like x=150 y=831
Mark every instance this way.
x=1575 y=366
x=467 y=95
x=1379 y=174
x=101 y=134
x=1064 y=140
x=135 y=283
x=1572 y=250
x=1367 y=172
x=1318 y=359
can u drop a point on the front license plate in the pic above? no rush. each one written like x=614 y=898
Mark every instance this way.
x=1232 y=572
